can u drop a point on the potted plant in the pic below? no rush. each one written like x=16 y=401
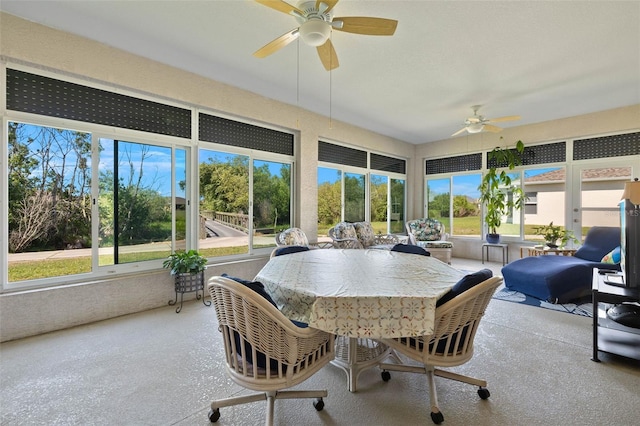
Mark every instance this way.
x=552 y=233
x=188 y=269
x=498 y=193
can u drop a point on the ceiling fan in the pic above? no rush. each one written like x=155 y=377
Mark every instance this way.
x=315 y=19
x=478 y=123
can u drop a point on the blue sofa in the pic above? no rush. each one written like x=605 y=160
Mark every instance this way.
x=561 y=279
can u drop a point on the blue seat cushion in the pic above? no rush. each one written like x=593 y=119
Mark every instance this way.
x=556 y=279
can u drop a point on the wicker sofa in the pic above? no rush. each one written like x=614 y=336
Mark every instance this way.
x=360 y=235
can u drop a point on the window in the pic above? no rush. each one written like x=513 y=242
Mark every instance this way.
x=343 y=194
x=139 y=211
x=354 y=197
x=586 y=198
x=49 y=208
x=465 y=214
x=439 y=201
x=387 y=201
x=227 y=220
x=546 y=194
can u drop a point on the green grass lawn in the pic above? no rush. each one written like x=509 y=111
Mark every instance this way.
x=31 y=270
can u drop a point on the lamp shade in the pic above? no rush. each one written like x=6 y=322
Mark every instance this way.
x=475 y=127
x=315 y=32
x=632 y=192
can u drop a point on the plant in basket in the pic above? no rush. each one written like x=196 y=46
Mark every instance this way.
x=188 y=269
x=185 y=262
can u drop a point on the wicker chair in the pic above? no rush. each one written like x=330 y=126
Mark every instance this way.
x=369 y=239
x=277 y=353
x=297 y=237
x=430 y=234
x=451 y=343
x=344 y=236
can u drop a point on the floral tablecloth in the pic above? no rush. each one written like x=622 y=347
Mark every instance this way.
x=359 y=293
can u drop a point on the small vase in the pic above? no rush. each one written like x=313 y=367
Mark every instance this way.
x=552 y=245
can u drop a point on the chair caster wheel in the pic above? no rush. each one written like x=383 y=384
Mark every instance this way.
x=386 y=376
x=484 y=393
x=214 y=415
x=318 y=404
x=437 y=417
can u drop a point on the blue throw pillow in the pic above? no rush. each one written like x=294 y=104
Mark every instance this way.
x=465 y=283
x=612 y=257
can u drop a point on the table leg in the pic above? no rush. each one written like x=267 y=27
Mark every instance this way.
x=354 y=355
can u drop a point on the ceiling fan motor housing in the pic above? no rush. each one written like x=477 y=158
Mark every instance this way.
x=315 y=26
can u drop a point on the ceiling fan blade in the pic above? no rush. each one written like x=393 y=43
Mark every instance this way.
x=328 y=55
x=277 y=44
x=459 y=131
x=490 y=128
x=508 y=118
x=330 y=4
x=365 y=25
x=280 y=6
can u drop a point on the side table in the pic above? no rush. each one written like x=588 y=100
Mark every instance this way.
x=610 y=336
x=543 y=251
x=505 y=251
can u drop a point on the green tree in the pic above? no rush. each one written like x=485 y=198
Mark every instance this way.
x=463 y=207
x=329 y=203
x=379 y=201
x=49 y=187
x=439 y=206
x=224 y=186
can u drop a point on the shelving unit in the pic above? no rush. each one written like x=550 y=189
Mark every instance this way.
x=610 y=336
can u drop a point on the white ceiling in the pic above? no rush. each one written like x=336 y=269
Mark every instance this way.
x=542 y=60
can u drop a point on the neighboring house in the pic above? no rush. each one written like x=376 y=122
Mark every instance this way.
x=601 y=190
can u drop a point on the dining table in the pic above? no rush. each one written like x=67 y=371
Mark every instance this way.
x=359 y=295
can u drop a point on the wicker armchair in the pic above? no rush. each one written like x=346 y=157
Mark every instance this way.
x=430 y=234
x=369 y=239
x=264 y=350
x=297 y=237
x=451 y=343
x=344 y=236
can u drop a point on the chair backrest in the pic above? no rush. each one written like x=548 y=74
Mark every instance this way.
x=599 y=241
x=409 y=248
x=425 y=229
x=456 y=323
x=365 y=233
x=344 y=235
x=279 y=251
x=254 y=329
x=292 y=237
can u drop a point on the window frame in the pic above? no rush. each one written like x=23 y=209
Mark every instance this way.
x=191 y=147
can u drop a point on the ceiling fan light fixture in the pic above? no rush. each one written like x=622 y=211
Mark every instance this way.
x=315 y=32
x=475 y=127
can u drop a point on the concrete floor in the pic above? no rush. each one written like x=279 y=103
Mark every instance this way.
x=163 y=368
